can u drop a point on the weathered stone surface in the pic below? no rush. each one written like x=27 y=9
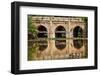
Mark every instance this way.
x=51 y=23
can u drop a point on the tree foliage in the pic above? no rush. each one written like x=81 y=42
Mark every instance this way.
x=32 y=29
x=32 y=46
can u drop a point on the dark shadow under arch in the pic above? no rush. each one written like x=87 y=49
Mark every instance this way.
x=60 y=35
x=78 y=33
x=42 y=35
x=42 y=32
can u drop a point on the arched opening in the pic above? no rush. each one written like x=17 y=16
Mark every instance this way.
x=42 y=32
x=60 y=35
x=78 y=33
x=42 y=35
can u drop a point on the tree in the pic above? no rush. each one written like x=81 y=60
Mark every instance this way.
x=32 y=29
x=85 y=19
x=32 y=46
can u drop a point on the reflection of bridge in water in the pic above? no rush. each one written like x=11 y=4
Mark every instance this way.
x=60 y=38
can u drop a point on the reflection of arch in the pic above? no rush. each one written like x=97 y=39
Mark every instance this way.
x=42 y=35
x=78 y=32
x=78 y=43
x=60 y=35
x=43 y=44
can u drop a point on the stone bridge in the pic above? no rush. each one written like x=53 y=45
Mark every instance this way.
x=66 y=37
